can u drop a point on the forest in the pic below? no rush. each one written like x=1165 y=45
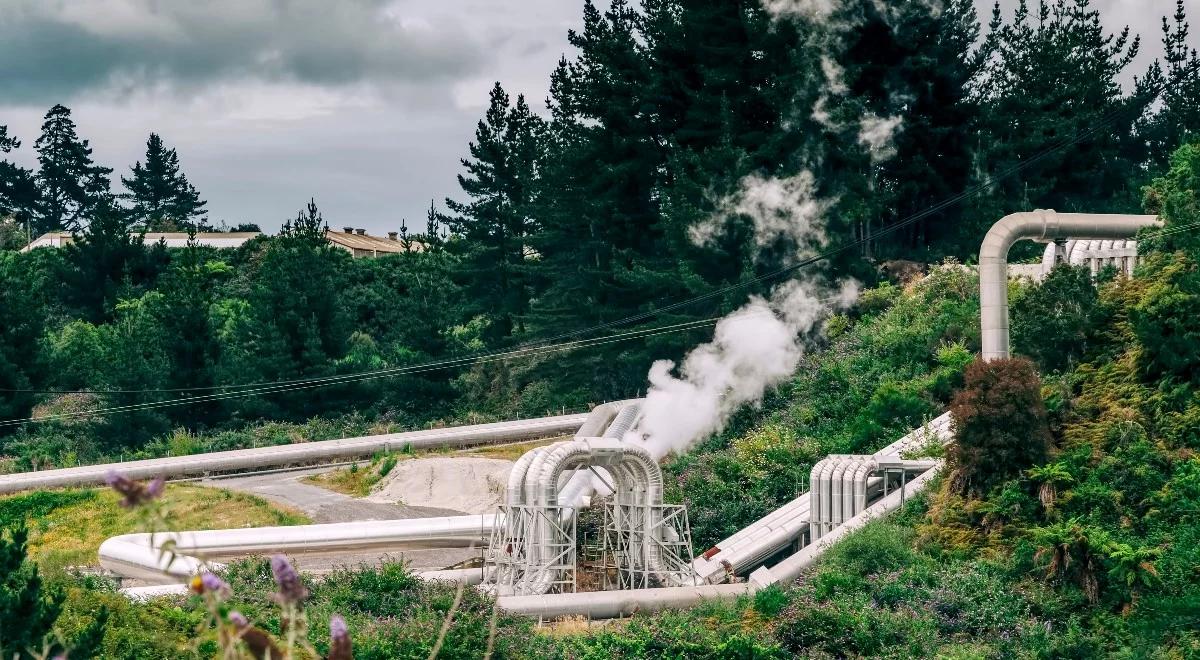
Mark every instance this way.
x=690 y=153
x=631 y=202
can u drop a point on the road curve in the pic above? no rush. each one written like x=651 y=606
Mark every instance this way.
x=298 y=454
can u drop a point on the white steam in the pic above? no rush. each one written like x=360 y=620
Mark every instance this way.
x=758 y=346
x=753 y=349
x=817 y=10
x=877 y=135
x=786 y=209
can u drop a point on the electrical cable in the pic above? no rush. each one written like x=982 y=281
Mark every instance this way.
x=534 y=348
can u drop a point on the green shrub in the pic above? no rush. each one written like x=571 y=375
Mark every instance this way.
x=386 y=465
x=1052 y=321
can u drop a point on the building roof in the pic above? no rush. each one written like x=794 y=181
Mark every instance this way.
x=171 y=238
x=364 y=242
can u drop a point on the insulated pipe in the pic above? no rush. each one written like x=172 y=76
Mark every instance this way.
x=835 y=492
x=614 y=604
x=864 y=471
x=139 y=555
x=1039 y=226
x=624 y=421
x=848 y=491
x=789 y=569
x=296 y=454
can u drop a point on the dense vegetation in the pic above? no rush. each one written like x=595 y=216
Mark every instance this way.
x=671 y=122
x=1066 y=526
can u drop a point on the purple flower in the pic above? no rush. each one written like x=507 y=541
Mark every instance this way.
x=155 y=488
x=207 y=583
x=238 y=620
x=133 y=493
x=339 y=639
x=291 y=589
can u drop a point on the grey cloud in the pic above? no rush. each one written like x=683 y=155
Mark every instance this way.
x=55 y=48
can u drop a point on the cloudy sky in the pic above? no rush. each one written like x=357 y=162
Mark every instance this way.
x=365 y=104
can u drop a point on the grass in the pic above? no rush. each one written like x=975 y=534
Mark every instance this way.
x=67 y=527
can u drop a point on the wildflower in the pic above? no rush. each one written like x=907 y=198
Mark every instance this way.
x=134 y=493
x=208 y=583
x=339 y=639
x=291 y=589
x=238 y=619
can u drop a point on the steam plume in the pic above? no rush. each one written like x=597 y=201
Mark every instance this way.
x=759 y=345
x=877 y=135
x=752 y=350
x=786 y=209
x=811 y=9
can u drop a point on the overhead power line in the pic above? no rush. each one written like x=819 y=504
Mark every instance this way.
x=547 y=345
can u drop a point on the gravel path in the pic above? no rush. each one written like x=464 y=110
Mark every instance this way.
x=326 y=506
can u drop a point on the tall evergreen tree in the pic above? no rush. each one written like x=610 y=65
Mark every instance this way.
x=1054 y=76
x=904 y=126
x=497 y=221
x=103 y=262
x=18 y=190
x=70 y=184
x=1175 y=119
x=160 y=196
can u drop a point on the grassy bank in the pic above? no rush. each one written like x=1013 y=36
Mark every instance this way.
x=66 y=527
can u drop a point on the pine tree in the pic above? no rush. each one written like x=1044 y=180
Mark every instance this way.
x=497 y=221
x=28 y=608
x=160 y=197
x=1175 y=120
x=18 y=190
x=70 y=184
x=911 y=64
x=103 y=261
x=1054 y=76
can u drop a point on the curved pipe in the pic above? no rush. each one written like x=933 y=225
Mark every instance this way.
x=139 y=555
x=1038 y=225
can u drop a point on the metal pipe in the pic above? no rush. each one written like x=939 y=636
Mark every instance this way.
x=298 y=453
x=791 y=568
x=1037 y=225
x=614 y=604
x=139 y=555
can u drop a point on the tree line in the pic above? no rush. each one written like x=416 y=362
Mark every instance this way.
x=584 y=215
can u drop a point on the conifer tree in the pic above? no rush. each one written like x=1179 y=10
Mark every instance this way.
x=70 y=184
x=160 y=196
x=1175 y=120
x=18 y=191
x=904 y=125
x=28 y=608
x=497 y=220
x=1054 y=76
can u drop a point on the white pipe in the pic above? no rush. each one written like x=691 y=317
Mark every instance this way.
x=773 y=532
x=615 y=604
x=791 y=568
x=298 y=453
x=1034 y=225
x=138 y=555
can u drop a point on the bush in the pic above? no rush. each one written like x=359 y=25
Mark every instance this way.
x=1052 y=321
x=27 y=609
x=1000 y=425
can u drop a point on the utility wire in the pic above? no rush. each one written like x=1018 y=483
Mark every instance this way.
x=537 y=347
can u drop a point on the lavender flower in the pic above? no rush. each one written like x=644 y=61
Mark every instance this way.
x=134 y=493
x=155 y=488
x=238 y=619
x=339 y=639
x=208 y=583
x=291 y=589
